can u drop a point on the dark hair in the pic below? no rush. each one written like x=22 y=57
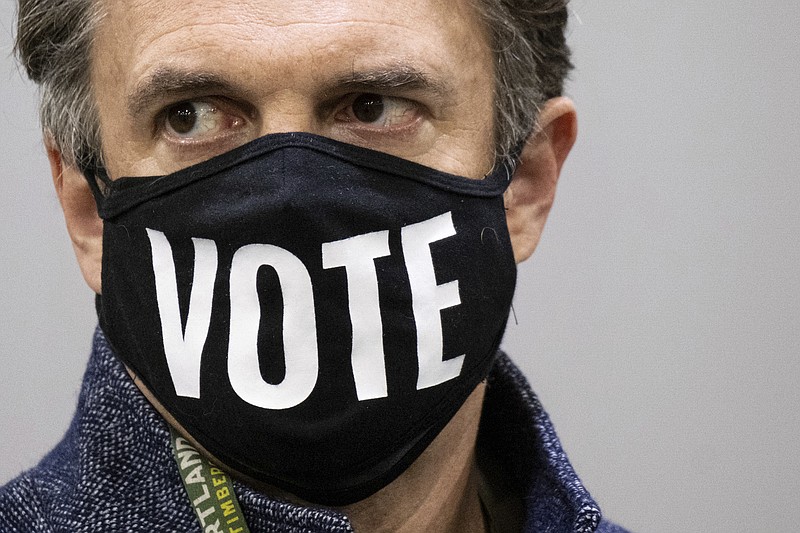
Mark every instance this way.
x=54 y=44
x=532 y=61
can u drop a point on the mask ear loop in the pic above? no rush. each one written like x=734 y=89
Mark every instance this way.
x=98 y=180
x=95 y=173
x=504 y=170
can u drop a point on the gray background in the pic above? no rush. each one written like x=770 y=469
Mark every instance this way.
x=658 y=320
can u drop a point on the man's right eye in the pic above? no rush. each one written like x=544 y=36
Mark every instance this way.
x=198 y=121
x=190 y=131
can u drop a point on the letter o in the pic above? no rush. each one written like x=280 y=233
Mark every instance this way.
x=299 y=328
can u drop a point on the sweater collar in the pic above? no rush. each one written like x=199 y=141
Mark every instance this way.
x=135 y=443
x=515 y=432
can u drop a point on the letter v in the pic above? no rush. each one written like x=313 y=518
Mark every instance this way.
x=184 y=350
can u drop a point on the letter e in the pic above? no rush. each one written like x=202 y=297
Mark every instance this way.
x=428 y=299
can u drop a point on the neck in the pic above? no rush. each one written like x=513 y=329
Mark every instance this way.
x=439 y=491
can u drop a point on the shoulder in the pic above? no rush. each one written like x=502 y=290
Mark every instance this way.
x=21 y=505
x=32 y=501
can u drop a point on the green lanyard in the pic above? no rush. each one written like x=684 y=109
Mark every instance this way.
x=210 y=490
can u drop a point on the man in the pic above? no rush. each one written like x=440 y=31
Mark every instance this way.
x=302 y=221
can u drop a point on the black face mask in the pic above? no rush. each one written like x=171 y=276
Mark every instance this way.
x=312 y=313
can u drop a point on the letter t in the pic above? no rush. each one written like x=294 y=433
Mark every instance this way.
x=357 y=254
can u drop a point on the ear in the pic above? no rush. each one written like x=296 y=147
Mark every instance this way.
x=80 y=213
x=533 y=187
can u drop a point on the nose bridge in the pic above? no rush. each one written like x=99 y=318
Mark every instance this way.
x=288 y=110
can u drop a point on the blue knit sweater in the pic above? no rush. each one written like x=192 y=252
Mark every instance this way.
x=114 y=470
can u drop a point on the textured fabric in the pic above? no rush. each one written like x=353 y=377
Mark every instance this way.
x=114 y=470
x=518 y=433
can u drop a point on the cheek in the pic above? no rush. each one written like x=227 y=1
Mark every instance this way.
x=468 y=142
x=91 y=268
x=130 y=157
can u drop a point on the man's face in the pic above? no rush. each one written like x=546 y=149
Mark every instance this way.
x=179 y=81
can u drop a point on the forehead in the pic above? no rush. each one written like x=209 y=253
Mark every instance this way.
x=136 y=35
x=287 y=64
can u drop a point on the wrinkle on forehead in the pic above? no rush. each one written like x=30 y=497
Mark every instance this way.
x=250 y=37
x=149 y=20
x=270 y=49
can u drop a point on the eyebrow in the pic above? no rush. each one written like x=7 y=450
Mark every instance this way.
x=168 y=81
x=396 y=77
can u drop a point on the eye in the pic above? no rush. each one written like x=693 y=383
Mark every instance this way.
x=380 y=111
x=368 y=107
x=197 y=120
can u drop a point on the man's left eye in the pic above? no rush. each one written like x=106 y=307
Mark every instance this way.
x=380 y=111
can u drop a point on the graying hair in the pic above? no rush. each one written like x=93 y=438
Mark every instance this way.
x=532 y=61
x=54 y=44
